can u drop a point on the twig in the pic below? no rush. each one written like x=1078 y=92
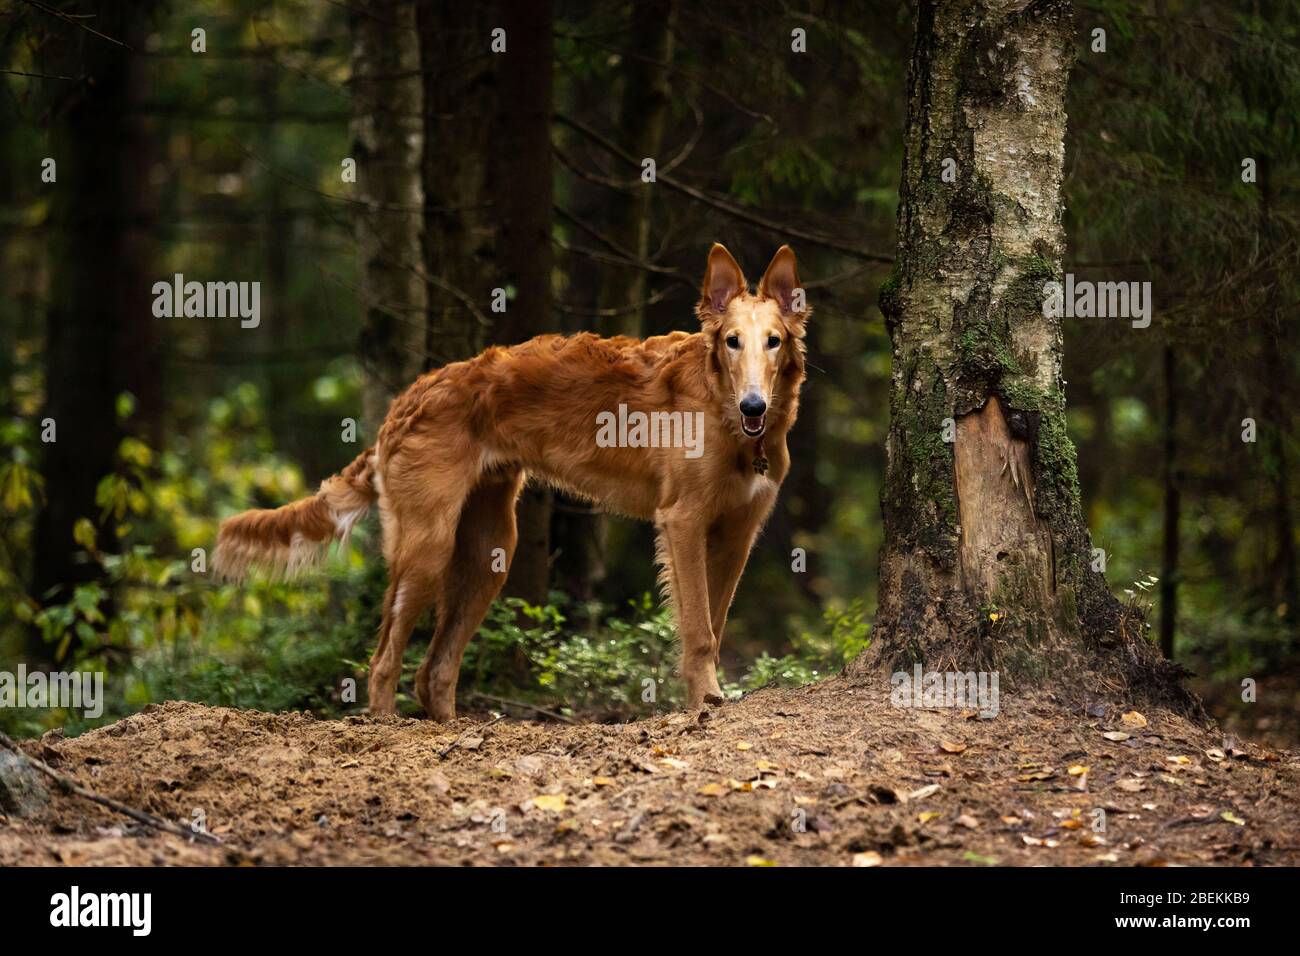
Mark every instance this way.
x=68 y=785
x=507 y=702
x=452 y=746
x=743 y=213
x=72 y=20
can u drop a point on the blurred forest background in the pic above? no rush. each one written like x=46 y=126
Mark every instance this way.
x=769 y=122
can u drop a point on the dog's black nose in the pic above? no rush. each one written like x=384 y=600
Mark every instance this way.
x=751 y=406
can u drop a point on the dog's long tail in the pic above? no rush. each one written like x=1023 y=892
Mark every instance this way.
x=288 y=539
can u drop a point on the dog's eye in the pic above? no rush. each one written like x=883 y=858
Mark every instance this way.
x=773 y=341
x=733 y=341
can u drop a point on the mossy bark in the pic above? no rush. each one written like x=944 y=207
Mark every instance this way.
x=987 y=562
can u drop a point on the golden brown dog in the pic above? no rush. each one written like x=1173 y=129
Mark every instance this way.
x=685 y=430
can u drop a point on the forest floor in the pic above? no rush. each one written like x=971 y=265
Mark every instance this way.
x=828 y=774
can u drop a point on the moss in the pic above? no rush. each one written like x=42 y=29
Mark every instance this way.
x=1058 y=467
x=919 y=486
x=890 y=296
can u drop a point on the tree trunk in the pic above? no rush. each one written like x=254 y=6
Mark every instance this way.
x=101 y=338
x=526 y=255
x=386 y=144
x=579 y=531
x=1173 y=509
x=987 y=562
x=462 y=173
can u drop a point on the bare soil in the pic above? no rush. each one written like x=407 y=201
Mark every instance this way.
x=828 y=774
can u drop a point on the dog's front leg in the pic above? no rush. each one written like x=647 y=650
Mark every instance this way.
x=685 y=551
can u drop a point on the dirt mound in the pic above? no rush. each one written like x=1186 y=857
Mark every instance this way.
x=828 y=774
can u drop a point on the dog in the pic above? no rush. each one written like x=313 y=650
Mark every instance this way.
x=455 y=448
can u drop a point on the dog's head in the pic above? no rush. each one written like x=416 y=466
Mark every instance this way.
x=755 y=339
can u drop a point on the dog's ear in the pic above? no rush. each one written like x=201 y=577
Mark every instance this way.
x=781 y=284
x=723 y=281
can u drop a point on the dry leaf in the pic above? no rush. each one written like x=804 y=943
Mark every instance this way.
x=927 y=816
x=870 y=858
x=952 y=746
x=1232 y=818
x=744 y=745
x=712 y=790
x=1116 y=735
x=1077 y=770
x=755 y=860
x=1133 y=719
x=603 y=781
x=553 y=802
x=924 y=792
x=968 y=821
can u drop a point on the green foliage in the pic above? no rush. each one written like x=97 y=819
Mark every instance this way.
x=817 y=654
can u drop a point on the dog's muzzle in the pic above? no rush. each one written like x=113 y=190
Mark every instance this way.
x=753 y=415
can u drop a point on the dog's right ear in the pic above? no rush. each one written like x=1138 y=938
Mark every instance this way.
x=723 y=281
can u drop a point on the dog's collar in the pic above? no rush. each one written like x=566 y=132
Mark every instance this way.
x=760 y=459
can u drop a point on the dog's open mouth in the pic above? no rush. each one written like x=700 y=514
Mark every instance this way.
x=753 y=425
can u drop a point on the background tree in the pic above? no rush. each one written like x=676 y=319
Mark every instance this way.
x=100 y=339
x=386 y=144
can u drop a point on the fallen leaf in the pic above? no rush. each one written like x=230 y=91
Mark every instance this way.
x=553 y=802
x=870 y=858
x=924 y=792
x=712 y=790
x=1077 y=770
x=755 y=860
x=952 y=746
x=1132 y=786
x=1180 y=759
x=744 y=745
x=1232 y=818
x=603 y=781
x=968 y=821
x=1116 y=735
x=1133 y=719
x=927 y=816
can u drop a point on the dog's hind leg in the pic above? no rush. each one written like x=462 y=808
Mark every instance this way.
x=420 y=535
x=485 y=546
x=411 y=588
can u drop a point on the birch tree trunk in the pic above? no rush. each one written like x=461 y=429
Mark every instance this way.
x=386 y=144
x=987 y=564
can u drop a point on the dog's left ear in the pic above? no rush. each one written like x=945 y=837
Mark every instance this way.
x=781 y=284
